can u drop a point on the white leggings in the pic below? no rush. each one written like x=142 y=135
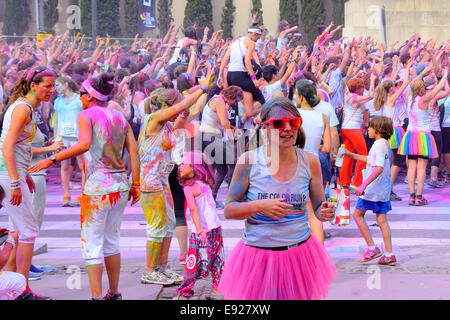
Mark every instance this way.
x=12 y=285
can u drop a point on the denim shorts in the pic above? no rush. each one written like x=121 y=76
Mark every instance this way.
x=378 y=207
x=325 y=164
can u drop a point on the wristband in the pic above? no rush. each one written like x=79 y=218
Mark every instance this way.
x=204 y=88
x=15 y=184
x=11 y=241
x=253 y=76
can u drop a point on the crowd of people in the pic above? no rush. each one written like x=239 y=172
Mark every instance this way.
x=165 y=123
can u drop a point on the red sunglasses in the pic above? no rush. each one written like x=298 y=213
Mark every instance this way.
x=280 y=124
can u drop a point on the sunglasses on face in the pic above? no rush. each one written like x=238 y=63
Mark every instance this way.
x=280 y=124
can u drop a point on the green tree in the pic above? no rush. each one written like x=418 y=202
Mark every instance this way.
x=131 y=18
x=51 y=15
x=164 y=16
x=108 y=18
x=289 y=11
x=339 y=15
x=228 y=19
x=17 y=15
x=257 y=7
x=199 y=13
x=86 y=17
x=313 y=14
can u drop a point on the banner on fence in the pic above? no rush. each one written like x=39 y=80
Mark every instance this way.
x=147 y=17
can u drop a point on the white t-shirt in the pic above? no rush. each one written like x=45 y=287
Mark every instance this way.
x=353 y=117
x=270 y=89
x=327 y=109
x=379 y=156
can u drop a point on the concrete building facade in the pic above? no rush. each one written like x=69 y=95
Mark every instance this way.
x=429 y=18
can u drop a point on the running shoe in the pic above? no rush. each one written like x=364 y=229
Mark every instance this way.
x=392 y=261
x=371 y=254
x=182 y=259
x=172 y=275
x=32 y=276
x=434 y=183
x=30 y=295
x=394 y=197
x=156 y=277
x=68 y=203
x=113 y=296
x=35 y=269
x=420 y=202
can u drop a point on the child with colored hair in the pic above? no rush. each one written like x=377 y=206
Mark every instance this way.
x=374 y=192
x=197 y=178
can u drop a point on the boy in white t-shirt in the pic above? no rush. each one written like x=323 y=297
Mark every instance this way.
x=374 y=192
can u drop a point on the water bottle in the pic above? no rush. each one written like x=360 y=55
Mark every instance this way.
x=340 y=156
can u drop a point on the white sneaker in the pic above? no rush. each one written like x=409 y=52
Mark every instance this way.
x=172 y=275
x=156 y=277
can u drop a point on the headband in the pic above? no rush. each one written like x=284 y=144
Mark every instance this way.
x=254 y=30
x=90 y=89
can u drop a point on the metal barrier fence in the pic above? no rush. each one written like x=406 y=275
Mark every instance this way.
x=88 y=40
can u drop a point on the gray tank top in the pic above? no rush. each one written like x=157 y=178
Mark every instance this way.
x=22 y=147
x=263 y=231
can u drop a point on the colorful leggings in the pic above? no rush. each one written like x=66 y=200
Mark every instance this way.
x=354 y=142
x=196 y=267
x=159 y=211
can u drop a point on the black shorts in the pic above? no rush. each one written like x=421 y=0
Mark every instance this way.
x=445 y=140
x=411 y=157
x=243 y=81
x=435 y=162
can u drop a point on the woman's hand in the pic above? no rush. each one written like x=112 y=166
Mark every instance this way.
x=30 y=183
x=40 y=165
x=135 y=193
x=327 y=211
x=274 y=208
x=56 y=146
x=16 y=197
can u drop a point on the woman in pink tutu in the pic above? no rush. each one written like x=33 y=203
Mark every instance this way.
x=278 y=257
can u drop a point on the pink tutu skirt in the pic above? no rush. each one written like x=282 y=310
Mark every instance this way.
x=300 y=273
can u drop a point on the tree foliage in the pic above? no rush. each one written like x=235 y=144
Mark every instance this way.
x=51 y=15
x=86 y=17
x=313 y=14
x=108 y=18
x=199 y=13
x=131 y=18
x=17 y=16
x=165 y=17
x=228 y=19
x=289 y=11
x=257 y=7
x=339 y=14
